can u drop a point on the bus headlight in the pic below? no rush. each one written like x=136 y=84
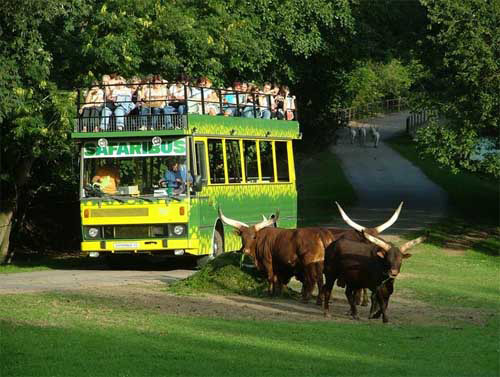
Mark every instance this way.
x=93 y=232
x=177 y=230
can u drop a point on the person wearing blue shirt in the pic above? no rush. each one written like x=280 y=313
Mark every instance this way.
x=176 y=177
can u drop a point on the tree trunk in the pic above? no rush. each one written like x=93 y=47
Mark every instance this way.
x=8 y=207
x=5 y=227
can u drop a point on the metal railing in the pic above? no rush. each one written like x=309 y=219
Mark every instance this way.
x=344 y=116
x=121 y=108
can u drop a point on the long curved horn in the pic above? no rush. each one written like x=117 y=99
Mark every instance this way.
x=267 y=222
x=410 y=244
x=391 y=221
x=377 y=241
x=231 y=222
x=349 y=222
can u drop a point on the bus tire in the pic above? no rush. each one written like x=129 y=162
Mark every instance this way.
x=217 y=244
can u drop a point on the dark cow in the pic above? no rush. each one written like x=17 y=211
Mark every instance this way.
x=356 y=234
x=283 y=253
x=362 y=265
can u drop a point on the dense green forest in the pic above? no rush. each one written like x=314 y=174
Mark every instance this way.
x=442 y=54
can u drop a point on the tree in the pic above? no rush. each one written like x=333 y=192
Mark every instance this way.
x=461 y=55
x=34 y=114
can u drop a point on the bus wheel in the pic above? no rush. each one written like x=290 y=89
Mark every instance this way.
x=217 y=244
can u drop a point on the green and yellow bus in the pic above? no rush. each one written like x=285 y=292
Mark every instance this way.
x=245 y=166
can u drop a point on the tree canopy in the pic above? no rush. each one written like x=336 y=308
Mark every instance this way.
x=331 y=53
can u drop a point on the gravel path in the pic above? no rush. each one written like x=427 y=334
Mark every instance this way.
x=382 y=179
x=38 y=281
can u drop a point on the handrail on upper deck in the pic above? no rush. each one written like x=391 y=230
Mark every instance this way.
x=135 y=107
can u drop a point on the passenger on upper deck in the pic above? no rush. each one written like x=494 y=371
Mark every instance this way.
x=90 y=110
x=121 y=96
x=212 y=106
x=266 y=101
x=154 y=98
x=177 y=96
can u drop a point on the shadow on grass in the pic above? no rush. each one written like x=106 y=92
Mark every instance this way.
x=460 y=235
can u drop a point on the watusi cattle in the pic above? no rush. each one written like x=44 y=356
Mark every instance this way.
x=362 y=265
x=283 y=253
x=356 y=234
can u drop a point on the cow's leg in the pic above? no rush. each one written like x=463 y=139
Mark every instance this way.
x=349 y=292
x=382 y=304
x=357 y=296
x=309 y=282
x=375 y=312
x=327 y=292
x=364 y=302
x=319 y=282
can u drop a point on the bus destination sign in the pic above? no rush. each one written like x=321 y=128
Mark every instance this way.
x=135 y=148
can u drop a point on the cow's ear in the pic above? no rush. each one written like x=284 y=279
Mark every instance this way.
x=407 y=255
x=381 y=254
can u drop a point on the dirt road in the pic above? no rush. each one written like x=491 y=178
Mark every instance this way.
x=382 y=179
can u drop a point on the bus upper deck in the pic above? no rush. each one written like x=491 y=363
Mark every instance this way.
x=119 y=110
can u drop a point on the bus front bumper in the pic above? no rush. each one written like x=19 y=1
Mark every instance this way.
x=163 y=246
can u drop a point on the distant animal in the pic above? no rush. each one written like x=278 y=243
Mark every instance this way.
x=283 y=253
x=362 y=135
x=352 y=133
x=375 y=135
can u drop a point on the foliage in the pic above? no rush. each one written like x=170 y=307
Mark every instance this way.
x=461 y=54
x=371 y=82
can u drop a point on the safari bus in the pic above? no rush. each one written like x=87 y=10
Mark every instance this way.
x=242 y=165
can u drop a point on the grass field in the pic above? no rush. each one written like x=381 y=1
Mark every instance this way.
x=445 y=320
x=83 y=334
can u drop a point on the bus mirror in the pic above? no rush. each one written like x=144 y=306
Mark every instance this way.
x=197 y=184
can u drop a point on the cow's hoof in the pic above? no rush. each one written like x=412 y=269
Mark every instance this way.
x=385 y=319
x=355 y=317
x=327 y=315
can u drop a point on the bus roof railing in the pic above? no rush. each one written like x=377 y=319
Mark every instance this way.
x=150 y=106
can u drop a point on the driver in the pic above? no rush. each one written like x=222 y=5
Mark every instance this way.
x=176 y=177
x=107 y=177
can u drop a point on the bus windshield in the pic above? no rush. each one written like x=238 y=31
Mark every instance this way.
x=135 y=169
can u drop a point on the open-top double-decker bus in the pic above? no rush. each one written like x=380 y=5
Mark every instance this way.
x=243 y=165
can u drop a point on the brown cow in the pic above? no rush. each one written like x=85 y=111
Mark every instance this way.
x=283 y=253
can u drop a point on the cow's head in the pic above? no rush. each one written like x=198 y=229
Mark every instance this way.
x=373 y=231
x=393 y=255
x=248 y=233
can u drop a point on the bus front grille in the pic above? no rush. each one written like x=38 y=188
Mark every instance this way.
x=119 y=212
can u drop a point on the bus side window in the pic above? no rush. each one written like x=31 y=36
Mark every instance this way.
x=201 y=163
x=250 y=157
x=282 y=161
x=216 y=161
x=266 y=161
x=233 y=161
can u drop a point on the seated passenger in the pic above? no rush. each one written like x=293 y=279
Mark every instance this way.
x=266 y=102
x=154 y=99
x=251 y=107
x=289 y=105
x=242 y=98
x=107 y=178
x=177 y=97
x=91 y=109
x=135 y=86
x=230 y=99
x=212 y=105
x=121 y=96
